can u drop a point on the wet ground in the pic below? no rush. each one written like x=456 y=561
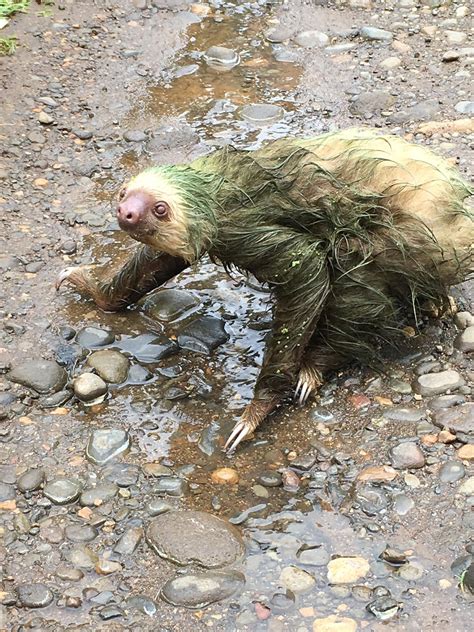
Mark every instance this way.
x=356 y=511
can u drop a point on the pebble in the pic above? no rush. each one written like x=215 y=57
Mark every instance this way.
x=335 y=623
x=262 y=113
x=369 y=103
x=138 y=374
x=459 y=420
x=45 y=119
x=225 y=475
x=314 y=556
x=198 y=590
x=221 y=58
x=346 y=570
x=296 y=579
x=466 y=452
x=7 y=492
x=134 y=136
x=129 y=541
x=91 y=337
x=402 y=504
x=447 y=401
x=122 y=474
x=143 y=604
x=43 y=376
x=278 y=35
x=465 y=107
x=391 y=62
x=69 y=574
x=380 y=473
x=465 y=341
x=467 y=488
x=80 y=532
x=157 y=506
x=111 y=612
x=407 y=455
x=451 y=472
x=411 y=571
x=89 y=387
x=203 y=335
x=34 y=595
x=107 y=567
x=312 y=39
x=464 y=320
x=269 y=478
x=107 y=444
x=404 y=414
x=194 y=536
x=171 y=486
x=99 y=494
x=62 y=491
x=31 y=480
x=148 y=348
x=383 y=608
x=169 y=305
x=438 y=383
x=376 y=34
x=110 y=365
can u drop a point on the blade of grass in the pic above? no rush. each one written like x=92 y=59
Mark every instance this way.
x=9 y=7
x=7 y=45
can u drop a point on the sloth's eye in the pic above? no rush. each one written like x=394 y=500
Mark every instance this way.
x=161 y=209
x=122 y=193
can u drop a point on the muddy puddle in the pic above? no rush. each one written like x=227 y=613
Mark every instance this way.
x=298 y=499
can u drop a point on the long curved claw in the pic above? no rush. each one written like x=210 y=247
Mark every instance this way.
x=240 y=431
x=308 y=380
x=64 y=275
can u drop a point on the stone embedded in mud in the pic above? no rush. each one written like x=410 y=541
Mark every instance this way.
x=110 y=365
x=346 y=570
x=467 y=487
x=402 y=504
x=296 y=579
x=369 y=103
x=262 y=113
x=91 y=337
x=451 y=472
x=465 y=341
x=404 y=414
x=221 y=57
x=335 y=623
x=99 y=494
x=198 y=590
x=187 y=537
x=80 y=532
x=157 y=506
x=122 y=474
x=171 y=486
x=148 y=348
x=225 y=475
x=107 y=444
x=379 y=473
x=459 y=420
x=168 y=305
x=374 y=33
x=312 y=39
x=62 y=491
x=138 y=374
x=129 y=541
x=314 y=556
x=43 y=376
x=278 y=35
x=406 y=456
x=34 y=595
x=438 y=383
x=31 y=480
x=134 y=136
x=383 y=608
x=142 y=603
x=203 y=335
x=7 y=492
x=89 y=387
x=466 y=452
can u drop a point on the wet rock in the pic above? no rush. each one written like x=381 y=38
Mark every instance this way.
x=187 y=537
x=225 y=475
x=111 y=612
x=411 y=571
x=80 y=533
x=399 y=386
x=262 y=113
x=31 y=480
x=209 y=439
x=383 y=607
x=156 y=507
x=107 y=444
x=296 y=579
x=169 y=305
x=143 y=604
x=89 y=387
x=402 y=504
x=44 y=118
x=403 y=414
x=335 y=623
x=459 y=420
x=371 y=499
x=319 y=413
x=378 y=473
x=110 y=365
x=171 y=486
x=346 y=570
x=134 y=136
x=203 y=335
x=313 y=556
x=91 y=337
x=451 y=472
x=148 y=348
x=220 y=57
x=43 y=376
x=465 y=341
x=278 y=35
x=56 y=399
x=285 y=56
x=465 y=107
x=312 y=39
x=467 y=487
x=394 y=557
x=138 y=374
x=290 y=480
x=270 y=478
x=7 y=492
x=406 y=456
x=195 y=590
x=62 y=491
x=122 y=474
x=107 y=567
x=129 y=541
x=369 y=103
x=34 y=595
x=83 y=558
x=374 y=33
x=447 y=401
x=438 y=383
x=99 y=494
x=69 y=574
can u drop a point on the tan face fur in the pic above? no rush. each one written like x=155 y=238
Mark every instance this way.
x=151 y=211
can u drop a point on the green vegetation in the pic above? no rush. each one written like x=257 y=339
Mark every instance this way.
x=9 y=7
x=7 y=45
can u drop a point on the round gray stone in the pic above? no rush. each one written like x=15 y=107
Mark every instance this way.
x=171 y=486
x=203 y=335
x=221 y=57
x=99 y=494
x=262 y=113
x=404 y=414
x=374 y=33
x=438 y=383
x=31 y=480
x=315 y=556
x=107 y=444
x=7 y=492
x=62 y=491
x=89 y=387
x=459 y=420
x=110 y=365
x=406 y=456
x=198 y=590
x=451 y=472
x=134 y=136
x=129 y=541
x=43 y=376
x=168 y=305
x=188 y=537
x=91 y=337
x=80 y=532
x=34 y=595
x=465 y=341
x=312 y=39
x=465 y=107
x=402 y=504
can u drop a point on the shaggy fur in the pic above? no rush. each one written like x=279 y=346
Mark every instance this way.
x=350 y=230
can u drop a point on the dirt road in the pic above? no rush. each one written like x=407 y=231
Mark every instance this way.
x=355 y=512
